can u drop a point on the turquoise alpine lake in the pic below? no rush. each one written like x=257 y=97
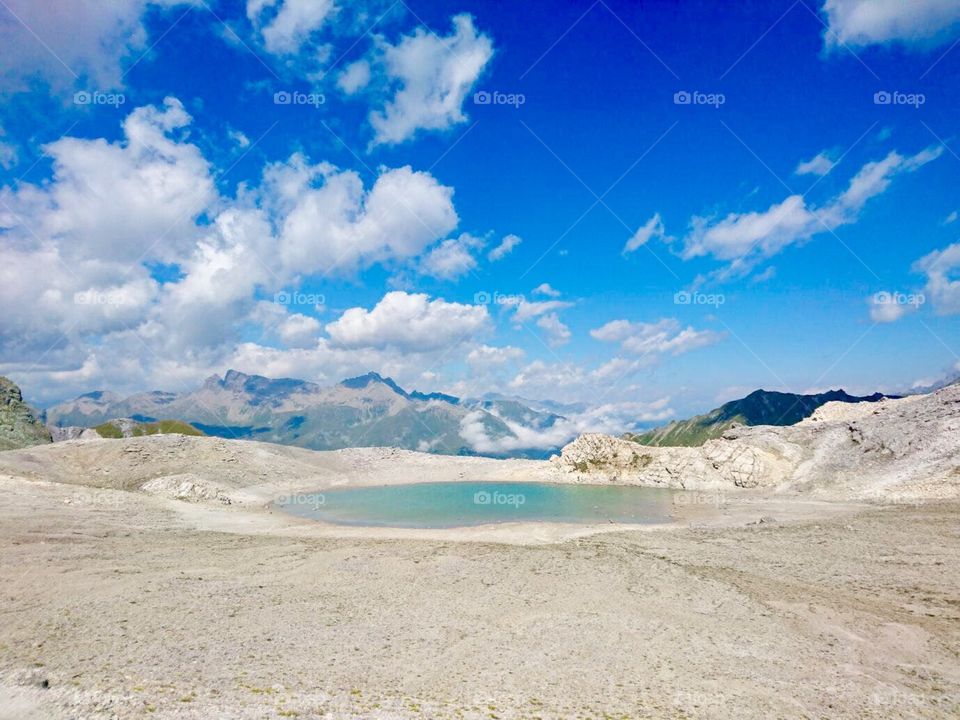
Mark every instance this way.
x=464 y=504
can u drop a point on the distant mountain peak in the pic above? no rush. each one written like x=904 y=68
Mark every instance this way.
x=100 y=395
x=361 y=381
x=235 y=379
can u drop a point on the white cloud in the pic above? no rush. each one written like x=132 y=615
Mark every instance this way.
x=485 y=356
x=286 y=28
x=505 y=247
x=77 y=44
x=653 y=229
x=557 y=333
x=610 y=418
x=300 y=331
x=529 y=310
x=125 y=199
x=410 y=322
x=452 y=259
x=546 y=290
x=78 y=245
x=748 y=238
x=329 y=223
x=665 y=336
x=434 y=76
x=354 y=77
x=910 y=22
x=819 y=165
x=951 y=218
x=942 y=268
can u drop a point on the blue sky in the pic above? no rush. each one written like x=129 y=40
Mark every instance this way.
x=584 y=236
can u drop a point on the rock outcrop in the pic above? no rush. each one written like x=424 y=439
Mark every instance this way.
x=892 y=451
x=19 y=426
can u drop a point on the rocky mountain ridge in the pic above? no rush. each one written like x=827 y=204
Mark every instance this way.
x=368 y=410
x=893 y=450
x=19 y=426
x=761 y=407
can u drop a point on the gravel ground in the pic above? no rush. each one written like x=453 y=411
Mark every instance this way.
x=123 y=604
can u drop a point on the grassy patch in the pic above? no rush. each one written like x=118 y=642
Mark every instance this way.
x=109 y=430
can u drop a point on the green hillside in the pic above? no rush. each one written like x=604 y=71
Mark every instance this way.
x=116 y=429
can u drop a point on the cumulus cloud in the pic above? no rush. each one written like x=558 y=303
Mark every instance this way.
x=452 y=259
x=527 y=310
x=868 y=22
x=818 y=165
x=505 y=247
x=328 y=222
x=83 y=246
x=486 y=356
x=557 y=333
x=411 y=322
x=99 y=188
x=942 y=268
x=653 y=229
x=354 y=77
x=300 y=330
x=745 y=239
x=433 y=76
x=546 y=290
x=285 y=25
x=75 y=44
x=666 y=336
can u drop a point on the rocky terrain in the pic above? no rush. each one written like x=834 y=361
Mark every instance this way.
x=810 y=572
x=893 y=449
x=761 y=407
x=19 y=427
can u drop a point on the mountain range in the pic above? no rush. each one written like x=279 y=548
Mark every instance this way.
x=761 y=407
x=369 y=410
